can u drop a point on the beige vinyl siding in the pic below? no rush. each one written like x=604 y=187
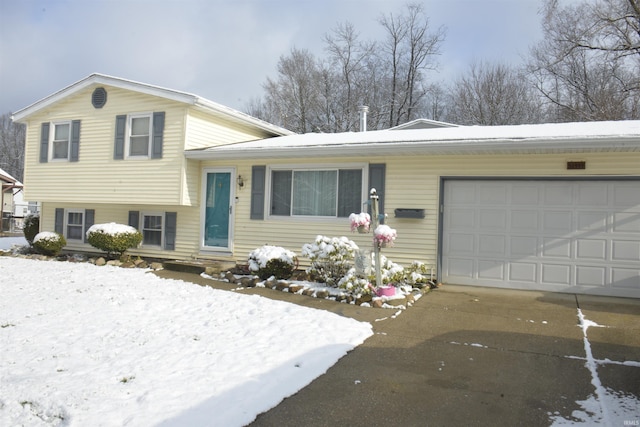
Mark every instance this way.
x=97 y=177
x=205 y=130
x=187 y=234
x=411 y=182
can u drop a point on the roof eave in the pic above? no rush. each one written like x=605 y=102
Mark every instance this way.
x=435 y=148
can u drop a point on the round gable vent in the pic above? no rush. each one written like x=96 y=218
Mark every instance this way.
x=99 y=97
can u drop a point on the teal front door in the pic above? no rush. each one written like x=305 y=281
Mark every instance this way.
x=217 y=210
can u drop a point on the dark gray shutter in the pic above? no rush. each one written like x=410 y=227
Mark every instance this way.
x=75 y=141
x=158 y=132
x=170 y=219
x=58 y=225
x=44 y=143
x=376 y=180
x=118 y=149
x=134 y=219
x=257 y=191
x=89 y=220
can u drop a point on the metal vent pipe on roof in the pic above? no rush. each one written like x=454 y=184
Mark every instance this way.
x=363 y=109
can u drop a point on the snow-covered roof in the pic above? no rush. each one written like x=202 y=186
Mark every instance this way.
x=423 y=124
x=8 y=179
x=538 y=138
x=175 y=95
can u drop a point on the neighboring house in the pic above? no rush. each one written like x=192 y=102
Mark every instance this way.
x=106 y=149
x=9 y=186
x=553 y=207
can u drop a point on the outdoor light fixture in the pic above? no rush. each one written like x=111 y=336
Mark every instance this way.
x=240 y=181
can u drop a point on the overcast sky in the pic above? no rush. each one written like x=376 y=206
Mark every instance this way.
x=224 y=50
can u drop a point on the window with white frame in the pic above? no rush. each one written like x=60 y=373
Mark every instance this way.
x=60 y=141
x=74 y=227
x=139 y=135
x=152 y=228
x=316 y=192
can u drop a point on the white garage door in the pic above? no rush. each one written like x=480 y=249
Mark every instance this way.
x=566 y=236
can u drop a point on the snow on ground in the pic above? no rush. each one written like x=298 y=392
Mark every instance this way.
x=7 y=242
x=85 y=345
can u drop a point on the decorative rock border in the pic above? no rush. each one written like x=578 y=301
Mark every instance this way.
x=400 y=300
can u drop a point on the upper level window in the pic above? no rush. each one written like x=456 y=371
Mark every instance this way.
x=316 y=193
x=139 y=135
x=60 y=141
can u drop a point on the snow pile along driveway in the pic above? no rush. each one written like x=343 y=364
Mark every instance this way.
x=84 y=345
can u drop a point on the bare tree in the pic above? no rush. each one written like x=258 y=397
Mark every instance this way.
x=409 y=50
x=492 y=94
x=12 y=140
x=587 y=66
x=293 y=94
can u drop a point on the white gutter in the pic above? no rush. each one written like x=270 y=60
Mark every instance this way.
x=471 y=146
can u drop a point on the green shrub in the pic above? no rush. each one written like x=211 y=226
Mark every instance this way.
x=31 y=227
x=112 y=238
x=268 y=261
x=49 y=243
x=331 y=258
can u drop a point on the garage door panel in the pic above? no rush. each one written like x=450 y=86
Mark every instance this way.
x=628 y=278
x=492 y=193
x=525 y=194
x=595 y=249
x=624 y=250
x=594 y=222
x=523 y=272
x=627 y=222
x=627 y=194
x=524 y=221
x=492 y=245
x=523 y=246
x=591 y=194
x=576 y=235
x=556 y=248
x=556 y=274
x=492 y=219
x=461 y=244
x=557 y=222
x=591 y=275
x=558 y=194
x=491 y=270
x=461 y=267
x=460 y=218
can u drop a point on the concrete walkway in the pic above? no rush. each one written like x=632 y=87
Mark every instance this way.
x=473 y=356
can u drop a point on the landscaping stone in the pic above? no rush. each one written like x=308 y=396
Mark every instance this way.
x=248 y=282
x=322 y=294
x=377 y=303
x=156 y=266
x=281 y=285
x=100 y=261
x=294 y=289
x=363 y=298
x=230 y=277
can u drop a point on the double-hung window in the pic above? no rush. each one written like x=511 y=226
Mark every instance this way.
x=139 y=135
x=60 y=141
x=322 y=192
x=152 y=228
x=74 y=227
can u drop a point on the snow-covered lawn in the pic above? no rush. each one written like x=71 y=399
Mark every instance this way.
x=82 y=345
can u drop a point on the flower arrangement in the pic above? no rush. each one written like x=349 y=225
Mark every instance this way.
x=384 y=236
x=360 y=222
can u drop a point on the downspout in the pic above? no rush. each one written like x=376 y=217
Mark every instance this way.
x=363 y=110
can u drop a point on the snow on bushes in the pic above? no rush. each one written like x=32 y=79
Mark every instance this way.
x=267 y=261
x=49 y=243
x=113 y=238
x=331 y=258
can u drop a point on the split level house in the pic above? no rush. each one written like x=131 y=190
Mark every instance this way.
x=551 y=207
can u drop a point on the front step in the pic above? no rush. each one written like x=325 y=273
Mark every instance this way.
x=198 y=267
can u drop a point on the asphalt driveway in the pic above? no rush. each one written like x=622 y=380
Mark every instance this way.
x=477 y=356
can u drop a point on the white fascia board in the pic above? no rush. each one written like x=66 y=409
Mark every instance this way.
x=420 y=147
